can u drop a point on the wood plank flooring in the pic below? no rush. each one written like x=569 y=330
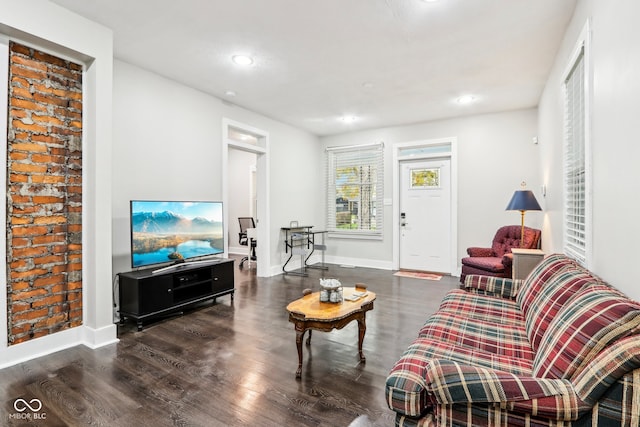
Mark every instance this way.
x=232 y=363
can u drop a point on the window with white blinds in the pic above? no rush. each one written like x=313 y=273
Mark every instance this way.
x=575 y=164
x=355 y=180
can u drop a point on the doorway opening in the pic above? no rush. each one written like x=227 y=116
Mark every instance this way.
x=248 y=147
x=425 y=184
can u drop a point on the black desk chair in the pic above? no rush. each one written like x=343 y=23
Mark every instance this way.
x=245 y=223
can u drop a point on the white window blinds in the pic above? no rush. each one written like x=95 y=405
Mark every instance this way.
x=575 y=166
x=355 y=180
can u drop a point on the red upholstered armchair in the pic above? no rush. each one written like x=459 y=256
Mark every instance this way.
x=497 y=260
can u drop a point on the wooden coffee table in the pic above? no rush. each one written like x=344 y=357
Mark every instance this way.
x=308 y=313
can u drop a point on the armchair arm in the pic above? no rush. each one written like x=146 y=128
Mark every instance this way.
x=483 y=252
x=497 y=286
x=507 y=260
x=450 y=382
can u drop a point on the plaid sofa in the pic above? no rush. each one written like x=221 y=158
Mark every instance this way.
x=560 y=348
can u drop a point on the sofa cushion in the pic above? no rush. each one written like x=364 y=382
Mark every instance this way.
x=539 y=276
x=551 y=298
x=484 y=307
x=493 y=337
x=594 y=318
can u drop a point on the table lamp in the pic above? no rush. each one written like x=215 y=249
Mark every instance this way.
x=523 y=200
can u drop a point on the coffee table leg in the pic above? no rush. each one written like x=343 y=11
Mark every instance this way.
x=300 y=330
x=309 y=337
x=362 y=328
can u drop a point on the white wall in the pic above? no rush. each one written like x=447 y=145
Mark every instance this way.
x=168 y=145
x=615 y=65
x=53 y=29
x=239 y=171
x=495 y=154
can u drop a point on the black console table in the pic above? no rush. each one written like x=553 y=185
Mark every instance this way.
x=151 y=293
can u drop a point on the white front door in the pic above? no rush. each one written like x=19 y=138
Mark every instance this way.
x=425 y=215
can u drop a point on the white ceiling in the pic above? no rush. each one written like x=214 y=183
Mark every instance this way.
x=387 y=62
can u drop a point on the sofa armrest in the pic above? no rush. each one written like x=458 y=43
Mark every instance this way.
x=449 y=383
x=490 y=285
x=618 y=359
x=483 y=252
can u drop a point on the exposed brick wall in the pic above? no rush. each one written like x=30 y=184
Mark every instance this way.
x=44 y=194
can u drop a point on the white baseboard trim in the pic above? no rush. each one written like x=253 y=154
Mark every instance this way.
x=81 y=335
x=360 y=262
x=339 y=261
x=275 y=270
x=237 y=250
x=96 y=338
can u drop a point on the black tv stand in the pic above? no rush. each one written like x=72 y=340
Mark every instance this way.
x=153 y=293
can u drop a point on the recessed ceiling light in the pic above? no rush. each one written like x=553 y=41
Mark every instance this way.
x=230 y=93
x=348 y=119
x=242 y=59
x=466 y=99
x=429 y=1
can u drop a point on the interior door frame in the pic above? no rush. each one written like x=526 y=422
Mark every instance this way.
x=261 y=149
x=398 y=157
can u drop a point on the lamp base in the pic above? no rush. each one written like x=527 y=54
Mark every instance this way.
x=522 y=229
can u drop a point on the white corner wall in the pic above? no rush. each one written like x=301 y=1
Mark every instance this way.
x=495 y=154
x=53 y=29
x=615 y=124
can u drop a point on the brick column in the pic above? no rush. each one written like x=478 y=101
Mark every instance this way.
x=44 y=194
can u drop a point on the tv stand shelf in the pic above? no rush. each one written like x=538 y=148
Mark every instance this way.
x=148 y=293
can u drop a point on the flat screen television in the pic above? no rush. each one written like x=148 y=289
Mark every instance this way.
x=174 y=231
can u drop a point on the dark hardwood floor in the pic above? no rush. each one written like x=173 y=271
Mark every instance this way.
x=232 y=363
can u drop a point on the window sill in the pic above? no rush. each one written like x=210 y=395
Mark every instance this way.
x=354 y=235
